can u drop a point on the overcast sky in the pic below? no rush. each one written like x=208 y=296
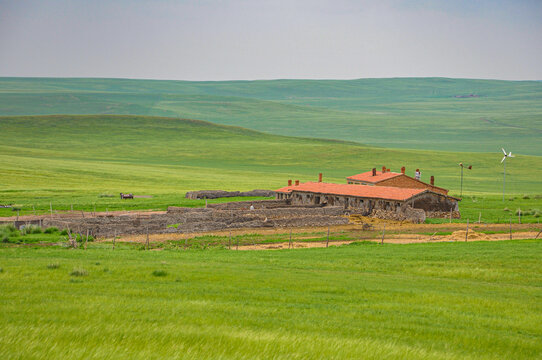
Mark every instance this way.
x=253 y=39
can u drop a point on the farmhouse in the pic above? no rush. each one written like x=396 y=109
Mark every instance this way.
x=366 y=197
x=368 y=192
x=388 y=178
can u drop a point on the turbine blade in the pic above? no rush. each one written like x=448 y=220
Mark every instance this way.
x=504 y=151
x=504 y=158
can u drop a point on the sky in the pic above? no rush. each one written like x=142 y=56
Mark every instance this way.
x=274 y=39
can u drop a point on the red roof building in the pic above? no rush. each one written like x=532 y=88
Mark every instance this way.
x=393 y=179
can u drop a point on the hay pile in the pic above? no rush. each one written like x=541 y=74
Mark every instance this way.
x=473 y=235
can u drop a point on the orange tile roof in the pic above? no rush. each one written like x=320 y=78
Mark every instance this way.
x=368 y=176
x=365 y=191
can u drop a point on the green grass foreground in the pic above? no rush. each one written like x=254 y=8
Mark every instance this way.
x=480 y=300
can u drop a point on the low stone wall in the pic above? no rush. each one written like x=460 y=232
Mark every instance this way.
x=245 y=205
x=215 y=194
x=443 y=214
x=189 y=220
x=406 y=214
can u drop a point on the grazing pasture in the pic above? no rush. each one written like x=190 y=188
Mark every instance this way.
x=88 y=160
x=477 y=300
x=414 y=113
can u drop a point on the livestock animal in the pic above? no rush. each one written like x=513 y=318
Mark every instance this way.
x=126 y=196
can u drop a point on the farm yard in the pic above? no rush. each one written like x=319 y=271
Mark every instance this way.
x=159 y=275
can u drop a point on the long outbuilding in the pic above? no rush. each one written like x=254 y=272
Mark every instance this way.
x=367 y=197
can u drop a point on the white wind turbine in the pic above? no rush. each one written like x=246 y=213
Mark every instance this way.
x=503 y=161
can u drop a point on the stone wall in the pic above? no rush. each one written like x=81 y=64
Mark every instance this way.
x=215 y=194
x=198 y=219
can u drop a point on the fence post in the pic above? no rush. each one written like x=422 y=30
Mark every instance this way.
x=467 y=232
x=451 y=215
x=51 y=208
x=229 y=243
x=510 y=228
x=86 y=241
x=114 y=237
x=147 y=241
x=519 y=216
x=290 y=241
x=237 y=244
x=479 y=217
x=383 y=233
x=71 y=207
x=327 y=241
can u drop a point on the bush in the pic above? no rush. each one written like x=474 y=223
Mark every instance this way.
x=105 y=195
x=9 y=228
x=506 y=209
x=526 y=197
x=53 y=266
x=64 y=232
x=7 y=231
x=1 y=270
x=79 y=272
x=51 y=230
x=31 y=229
x=159 y=273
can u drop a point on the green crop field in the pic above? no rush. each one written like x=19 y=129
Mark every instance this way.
x=416 y=113
x=87 y=160
x=479 y=300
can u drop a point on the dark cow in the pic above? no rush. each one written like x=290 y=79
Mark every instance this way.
x=126 y=196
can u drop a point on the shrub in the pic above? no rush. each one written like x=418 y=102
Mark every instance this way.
x=16 y=208
x=1 y=270
x=64 y=232
x=159 y=273
x=7 y=231
x=9 y=228
x=31 y=229
x=79 y=272
x=105 y=195
x=53 y=266
x=51 y=230
x=506 y=209
x=526 y=197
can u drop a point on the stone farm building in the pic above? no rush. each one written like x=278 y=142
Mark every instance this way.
x=373 y=190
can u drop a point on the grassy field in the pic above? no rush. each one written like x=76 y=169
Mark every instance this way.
x=86 y=161
x=426 y=301
x=416 y=113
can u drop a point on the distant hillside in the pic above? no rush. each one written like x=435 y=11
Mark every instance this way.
x=80 y=154
x=418 y=113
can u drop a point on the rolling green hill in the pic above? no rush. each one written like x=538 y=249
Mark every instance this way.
x=73 y=159
x=416 y=113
